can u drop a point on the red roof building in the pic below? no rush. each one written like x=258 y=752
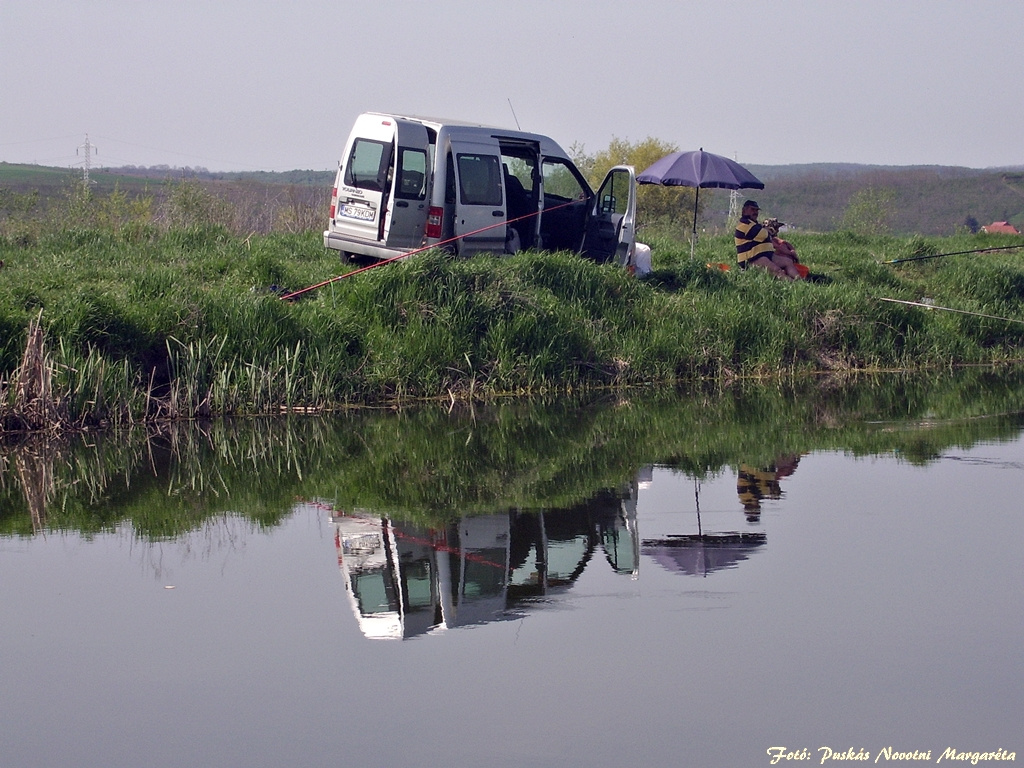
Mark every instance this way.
x=1001 y=227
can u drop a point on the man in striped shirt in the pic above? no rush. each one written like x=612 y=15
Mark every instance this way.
x=754 y=246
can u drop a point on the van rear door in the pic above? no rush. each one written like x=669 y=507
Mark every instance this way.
x=611 y=225
x=480 y=198
x=364 y=179
x=406 y=206
x=382 y=197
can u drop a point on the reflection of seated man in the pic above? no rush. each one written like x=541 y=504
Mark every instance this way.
x=754 y=246
x=753 y=484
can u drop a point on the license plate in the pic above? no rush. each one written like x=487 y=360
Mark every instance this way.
x=366 y=543
x=361 y=212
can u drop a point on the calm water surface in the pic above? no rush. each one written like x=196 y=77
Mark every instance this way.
x=836 y=602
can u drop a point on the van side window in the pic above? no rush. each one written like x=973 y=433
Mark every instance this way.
x=480 y=179
x=560 y=182
x=368 y=164
x=412 y=174
x=613 y=197
x=520 y=169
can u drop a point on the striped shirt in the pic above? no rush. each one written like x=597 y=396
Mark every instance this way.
x=752 y=240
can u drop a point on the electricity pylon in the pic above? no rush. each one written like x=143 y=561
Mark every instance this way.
x=89 y=149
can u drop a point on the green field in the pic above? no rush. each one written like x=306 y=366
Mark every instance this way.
x=160 y=299
x=143 y=322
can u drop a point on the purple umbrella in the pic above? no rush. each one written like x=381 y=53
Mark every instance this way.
x=699 y=169
x=699 y=555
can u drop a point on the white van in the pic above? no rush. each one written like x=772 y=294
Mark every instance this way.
x=406 y=183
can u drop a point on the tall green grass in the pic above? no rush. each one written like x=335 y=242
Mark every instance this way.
x=189 y=323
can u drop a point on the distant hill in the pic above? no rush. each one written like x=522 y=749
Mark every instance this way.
x=306 y=177
x=928 y=200
x=24 y=178
x=851 y=170
x=257 y=201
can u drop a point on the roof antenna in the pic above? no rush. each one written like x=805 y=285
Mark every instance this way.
x=514 y=114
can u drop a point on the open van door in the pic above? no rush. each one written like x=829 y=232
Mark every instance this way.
x=406 y=213
x=383 y=184
x=611 y=225
x=480 y=197
x=363 y=181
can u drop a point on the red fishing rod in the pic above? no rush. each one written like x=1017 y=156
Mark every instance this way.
x=300 y=292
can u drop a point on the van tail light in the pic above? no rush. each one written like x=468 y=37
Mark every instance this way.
x=334 y=201
x=434 y=216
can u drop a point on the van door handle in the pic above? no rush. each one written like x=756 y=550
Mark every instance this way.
x=402 y=204
x=497 y=213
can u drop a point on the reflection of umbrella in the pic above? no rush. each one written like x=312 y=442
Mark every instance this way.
x=698 y=555
x=699 y=169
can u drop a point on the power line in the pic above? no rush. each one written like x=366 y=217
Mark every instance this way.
x=180 y=154
x=35 y=141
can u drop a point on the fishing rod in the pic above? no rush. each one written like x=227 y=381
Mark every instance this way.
x=950 y=309
x=955 y=253
x=301 y=291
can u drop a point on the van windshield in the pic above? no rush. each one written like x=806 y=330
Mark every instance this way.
x=368 y=164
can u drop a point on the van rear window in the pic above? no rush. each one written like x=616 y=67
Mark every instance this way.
x=480 y=179
x=368 y=164
x=412 y=174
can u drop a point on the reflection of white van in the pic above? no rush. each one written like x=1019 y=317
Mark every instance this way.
x=366 y=557
x=404 y=183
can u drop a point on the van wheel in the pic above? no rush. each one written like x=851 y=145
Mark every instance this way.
x=346 y=257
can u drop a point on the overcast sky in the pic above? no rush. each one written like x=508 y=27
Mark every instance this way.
x=232 y=85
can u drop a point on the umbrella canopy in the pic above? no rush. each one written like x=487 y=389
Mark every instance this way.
x=699 y=555
x=699 y=170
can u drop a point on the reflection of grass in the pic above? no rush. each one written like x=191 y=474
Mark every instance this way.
x=163 y=485
x=181 y=323
x=429 y=466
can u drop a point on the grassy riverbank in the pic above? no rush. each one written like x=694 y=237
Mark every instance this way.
x=141 y=324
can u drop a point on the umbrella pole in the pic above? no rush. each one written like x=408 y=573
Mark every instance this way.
x=693 y=236
x=700 y=531
x=696 y=495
